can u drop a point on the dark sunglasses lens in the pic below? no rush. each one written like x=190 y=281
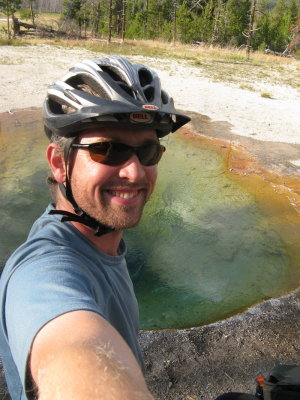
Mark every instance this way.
x=99 y=151
x=150 y=154
x=112 y=153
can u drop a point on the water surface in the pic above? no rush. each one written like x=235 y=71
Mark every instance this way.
x=205 y=249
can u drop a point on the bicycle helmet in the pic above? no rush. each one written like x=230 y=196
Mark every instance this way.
x=109 y=91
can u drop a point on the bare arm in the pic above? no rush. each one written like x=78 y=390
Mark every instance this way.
x=80 y=356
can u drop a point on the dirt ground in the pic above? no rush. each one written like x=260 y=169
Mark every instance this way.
x=198 y=363
x=201 y=363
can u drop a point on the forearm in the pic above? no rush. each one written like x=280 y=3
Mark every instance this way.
x=90 y=372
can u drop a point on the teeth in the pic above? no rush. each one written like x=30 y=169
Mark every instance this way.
x=124 y=195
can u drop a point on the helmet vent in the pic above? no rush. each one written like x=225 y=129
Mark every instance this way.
x=112 y=73
x=149 y=93
x=68 y=109
x=145 y=77
x=127 y=89
x=55 y=107
x=88 y=85
x=164 y=97
x=118 y=79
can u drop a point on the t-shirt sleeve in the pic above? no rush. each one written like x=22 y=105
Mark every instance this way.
x=40 y=291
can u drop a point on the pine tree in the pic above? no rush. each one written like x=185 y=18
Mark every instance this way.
x=71 y=8
x=237 y=20
x=155 y=17
x=294 y=11
x=95 y=15
x=185 y=23
x=174 y=17
x=262 y=38
x=8 y=8
x=280 y=26
x=206 y=21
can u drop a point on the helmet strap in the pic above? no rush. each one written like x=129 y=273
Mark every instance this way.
x=80 y=215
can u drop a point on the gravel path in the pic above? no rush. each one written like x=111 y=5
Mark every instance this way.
x=27 y=71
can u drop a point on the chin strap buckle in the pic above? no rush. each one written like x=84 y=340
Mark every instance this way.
x=83 y=219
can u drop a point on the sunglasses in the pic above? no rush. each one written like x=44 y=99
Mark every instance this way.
x=115 y=153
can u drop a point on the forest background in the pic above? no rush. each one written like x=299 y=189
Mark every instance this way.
x=259 y=24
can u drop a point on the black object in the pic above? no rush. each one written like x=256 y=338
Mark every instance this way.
x=236 y=396
x=283 y=383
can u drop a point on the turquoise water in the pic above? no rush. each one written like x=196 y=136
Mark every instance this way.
x=203 y=250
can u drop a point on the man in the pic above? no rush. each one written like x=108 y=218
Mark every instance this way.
x=69 y=317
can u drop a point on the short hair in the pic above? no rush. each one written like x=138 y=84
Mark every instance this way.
x=61 y=142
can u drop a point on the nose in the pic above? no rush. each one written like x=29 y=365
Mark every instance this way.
x=132 y=170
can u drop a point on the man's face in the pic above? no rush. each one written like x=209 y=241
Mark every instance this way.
x=113 y=195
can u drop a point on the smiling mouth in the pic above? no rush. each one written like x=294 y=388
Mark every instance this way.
x=123 y=195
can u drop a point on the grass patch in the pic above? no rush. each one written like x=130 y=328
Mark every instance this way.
x=247 y=87
x=266 y=95
x=41 y=16
x=197 y=63
x=12 y=42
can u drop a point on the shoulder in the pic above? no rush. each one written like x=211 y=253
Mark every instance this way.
x=49 y=242
x=46 y=276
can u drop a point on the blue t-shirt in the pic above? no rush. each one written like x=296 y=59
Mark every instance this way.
x=58 y=270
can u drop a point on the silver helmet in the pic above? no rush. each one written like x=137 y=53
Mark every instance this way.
x=109 y=91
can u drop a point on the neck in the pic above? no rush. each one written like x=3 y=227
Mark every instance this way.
x=108 y=243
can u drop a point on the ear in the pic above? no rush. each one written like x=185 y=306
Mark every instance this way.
x=56 y=162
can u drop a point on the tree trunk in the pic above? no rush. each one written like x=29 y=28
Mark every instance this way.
x=215 y=33
x=123 y=20
x=95 y=31
x=8 y=27
x=174 y=34
x=31 y=11
x=110 y=21
x=147 y=9
x=80 y=28
x=250 y=29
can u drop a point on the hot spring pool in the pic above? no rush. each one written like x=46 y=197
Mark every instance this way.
x=204 y=249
